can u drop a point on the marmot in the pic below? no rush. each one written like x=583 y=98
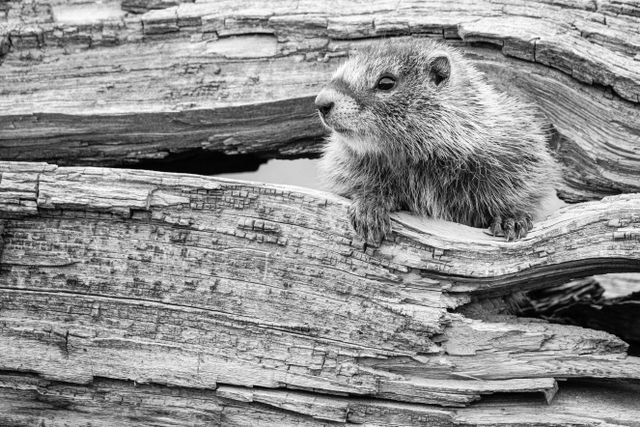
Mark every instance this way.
x=414 y=126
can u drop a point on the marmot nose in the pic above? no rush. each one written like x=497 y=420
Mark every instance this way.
x=323 y=103
x=324 y=108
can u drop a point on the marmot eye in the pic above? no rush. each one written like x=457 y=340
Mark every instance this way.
x=386 y=83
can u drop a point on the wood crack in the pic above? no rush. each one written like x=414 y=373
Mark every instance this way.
x=112 y=401
x=289 y=329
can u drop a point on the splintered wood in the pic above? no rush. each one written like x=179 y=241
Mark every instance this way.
x=177 y=75
x=232 y=292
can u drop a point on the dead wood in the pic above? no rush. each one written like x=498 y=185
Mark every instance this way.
x=29 y=400
x=213 y=286
x=86 y=83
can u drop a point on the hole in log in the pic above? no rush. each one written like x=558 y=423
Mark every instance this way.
x=202 y=162
x=581 y=302
x=300 y=171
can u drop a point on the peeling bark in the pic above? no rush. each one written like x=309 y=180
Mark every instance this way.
x=130 y=87
x=220 y=286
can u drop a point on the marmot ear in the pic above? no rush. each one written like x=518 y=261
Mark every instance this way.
x=439 y=70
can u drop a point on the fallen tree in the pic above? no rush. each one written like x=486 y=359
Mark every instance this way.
x=150 y=298
x=256 y=303
x=221 y=76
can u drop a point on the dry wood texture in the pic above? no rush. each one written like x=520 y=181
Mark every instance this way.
x=235 y=294
x=116 y=403
x=91 y=83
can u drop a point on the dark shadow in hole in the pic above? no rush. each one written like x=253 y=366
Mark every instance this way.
x=207 y=162
x=203 y=162
x=578 y=302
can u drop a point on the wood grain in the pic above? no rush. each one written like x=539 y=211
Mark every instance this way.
x=196 y=282
x=29 y=400
x=89 y=83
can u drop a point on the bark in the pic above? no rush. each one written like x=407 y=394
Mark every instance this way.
x=255 y=303
x=130 y=87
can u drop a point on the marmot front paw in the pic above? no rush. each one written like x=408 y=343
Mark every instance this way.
x=511 y=227
x=370 y=220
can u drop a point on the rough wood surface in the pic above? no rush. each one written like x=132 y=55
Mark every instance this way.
x=203 y=283
x=29 y=400
x=90 y=83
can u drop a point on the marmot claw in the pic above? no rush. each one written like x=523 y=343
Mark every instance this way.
x=511 y=227
x=370 y=220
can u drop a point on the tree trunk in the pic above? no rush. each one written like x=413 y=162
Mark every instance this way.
x=251 y=304
x=131 y=88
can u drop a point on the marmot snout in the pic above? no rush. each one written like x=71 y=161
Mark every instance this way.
x=415 y=126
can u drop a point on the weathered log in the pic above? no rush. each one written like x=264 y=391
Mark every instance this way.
x=133 y=87
x=29 y=400
x=210 y=284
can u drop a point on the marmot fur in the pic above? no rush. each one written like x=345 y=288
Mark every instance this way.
x=414 y=126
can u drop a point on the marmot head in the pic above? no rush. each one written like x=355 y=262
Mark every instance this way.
x=387 y=92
